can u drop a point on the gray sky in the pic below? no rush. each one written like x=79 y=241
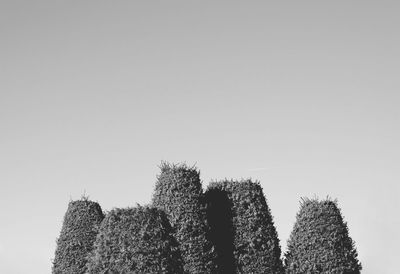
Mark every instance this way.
x=301 y=96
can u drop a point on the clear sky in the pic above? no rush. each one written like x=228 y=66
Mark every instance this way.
x=302 y=96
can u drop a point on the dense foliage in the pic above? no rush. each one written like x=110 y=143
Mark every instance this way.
x=77 y=235
x=135 y=240
x=319 y=242
x=242 y=228
x=179 y=193
x=226 y=230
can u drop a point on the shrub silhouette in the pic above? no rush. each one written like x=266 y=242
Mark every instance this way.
x=319 y=242
x=178 y=192
x=135 y=240
x=242 y=228
x=77 y=235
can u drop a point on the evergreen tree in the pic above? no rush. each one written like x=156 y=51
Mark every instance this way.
x=135 y=240
x=179 y=193
x=77 y=235
x=320 y=242
x=242 y=228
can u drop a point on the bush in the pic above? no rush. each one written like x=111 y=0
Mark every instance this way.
x=178 y=192
x=242 y=228
x=77 y=235
x=319 y=242
x=135 y=240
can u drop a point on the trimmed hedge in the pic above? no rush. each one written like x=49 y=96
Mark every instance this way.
x=135 y=240
x=179 y=193
x=320 y=242
x=77 y=235
x=242 y=228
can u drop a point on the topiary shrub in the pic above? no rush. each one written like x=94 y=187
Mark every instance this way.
x=135 y=240
x=77 y=235
x=320 y=242
x=242 y=228
x=178 y=192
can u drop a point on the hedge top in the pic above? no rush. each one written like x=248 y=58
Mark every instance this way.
x=178 y=178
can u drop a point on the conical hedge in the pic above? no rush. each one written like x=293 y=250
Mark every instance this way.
x=178 y=192
x=320 y=242
x=242 y=228
x=77 y=235
x=135 y=240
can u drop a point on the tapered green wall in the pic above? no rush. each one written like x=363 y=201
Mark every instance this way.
x=178 y=191
x=320 y=241
x=255 y=245
x=79 y=230
x=135 y=240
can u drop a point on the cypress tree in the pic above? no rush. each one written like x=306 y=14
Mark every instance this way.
x=179 y=193
x=135 y=240
x=242 y=228
x=77 y=235
x=320 y=242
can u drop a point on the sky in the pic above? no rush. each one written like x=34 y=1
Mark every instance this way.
x=302 y=96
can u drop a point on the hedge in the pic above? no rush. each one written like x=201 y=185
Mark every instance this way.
x=135 y=240
x=242 y=228
x=77 y=235
x=320 y=242
x=179 y=193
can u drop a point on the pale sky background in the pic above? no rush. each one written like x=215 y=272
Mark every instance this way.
x=301 y=96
